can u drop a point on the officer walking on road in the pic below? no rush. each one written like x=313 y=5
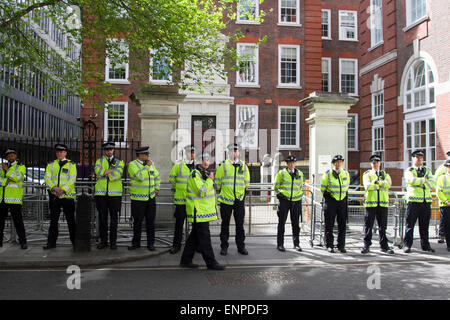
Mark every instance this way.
x=334 y=187
x=441 y=171
x=108 y=194
x=201 y=208
x=376 y=203
x=443 y=193
x=144 y=187
x=232 y=180
x=178 y=178
x=289 y=189
x=60 y=176
x=419 y=183
x=11 y=196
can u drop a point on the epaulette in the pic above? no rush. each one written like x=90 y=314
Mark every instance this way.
x=368 y=171
x=411 y=169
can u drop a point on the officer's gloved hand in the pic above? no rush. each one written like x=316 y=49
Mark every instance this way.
x=327 y=195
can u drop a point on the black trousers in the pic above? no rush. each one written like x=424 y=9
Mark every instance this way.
x=180 y=216
x=108 y=207
x=199 y=239
x=68 y=206
x=445 y=217
x=139 y=211
x=442 y=226
x=238 y=211
x=414 y=211
x=16 y=216
x=295 y=208
x=335 y=209
x=381 y=214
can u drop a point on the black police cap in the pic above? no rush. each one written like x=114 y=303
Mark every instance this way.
x=61 y=147
x=290 y=158
x=418 y=153
x=447 y=163
x=108 y=145
x=9 y=151
x=190 y=148
x=375 y=158
x=142 y=150
x=233 y=146
x=337 y=157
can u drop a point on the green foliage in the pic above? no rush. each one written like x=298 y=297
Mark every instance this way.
x=189 y=35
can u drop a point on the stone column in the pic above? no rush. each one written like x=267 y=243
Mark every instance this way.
x=159 y=116
x=328 y=120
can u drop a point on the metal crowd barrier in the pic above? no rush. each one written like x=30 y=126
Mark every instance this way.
x=260 y=220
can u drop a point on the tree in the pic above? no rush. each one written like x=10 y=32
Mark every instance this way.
x=175 y=31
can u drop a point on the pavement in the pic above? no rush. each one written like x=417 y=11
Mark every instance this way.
x=262 y=252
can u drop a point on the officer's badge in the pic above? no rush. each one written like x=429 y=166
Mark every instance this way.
x=65 y=170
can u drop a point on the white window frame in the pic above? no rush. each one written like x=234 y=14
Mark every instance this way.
x=374 y=105
x=428 y=156
x=342 y=34
x=376 y=22
x=297 y=17
x=297 y=145
x=289 y=85
x=248 y=84
x=356 y=75
x=329 y=72
x=105 y=125
x=251 y=21
x=256 y=107
x=107 y=66
x=328 y=11
x=354 y=115
x=427 y=87
x=409 y=20
x=157 y=81
x=374 y=149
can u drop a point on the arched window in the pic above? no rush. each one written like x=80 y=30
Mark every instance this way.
x=419 y=86
x=420 y=114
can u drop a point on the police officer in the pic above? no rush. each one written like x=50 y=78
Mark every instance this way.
x=443 y=193
x=178 y=178
x=334 y=187
x=201 y=208
x=376 y=203
x=289 y=189
x=108 y=194
x=144 y=187
x=441 y=171
x=11 y=195
x=60 y=176
x=419 y=183
x=232 y=179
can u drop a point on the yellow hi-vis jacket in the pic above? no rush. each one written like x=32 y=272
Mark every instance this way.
x=11 y=184
x=231 y=181
x=200 y=198
x=63 y=177
x=292 y=189
x=377 y=188
x=144 y=181
x=111 y=185
x=178 y=177
x=337 y=187
x=443 y=189
x=414 y=192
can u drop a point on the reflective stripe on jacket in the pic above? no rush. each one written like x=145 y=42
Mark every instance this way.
x=200 y=198
x=414 y=192
x=11 y=184
x=292 y=189
x=144 y=181
x=110 y=185
x=443 y=189
x=377 y=194
x=63 y=177
x=231 y=181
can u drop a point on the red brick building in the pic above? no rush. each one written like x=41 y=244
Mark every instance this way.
x=404 y=82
